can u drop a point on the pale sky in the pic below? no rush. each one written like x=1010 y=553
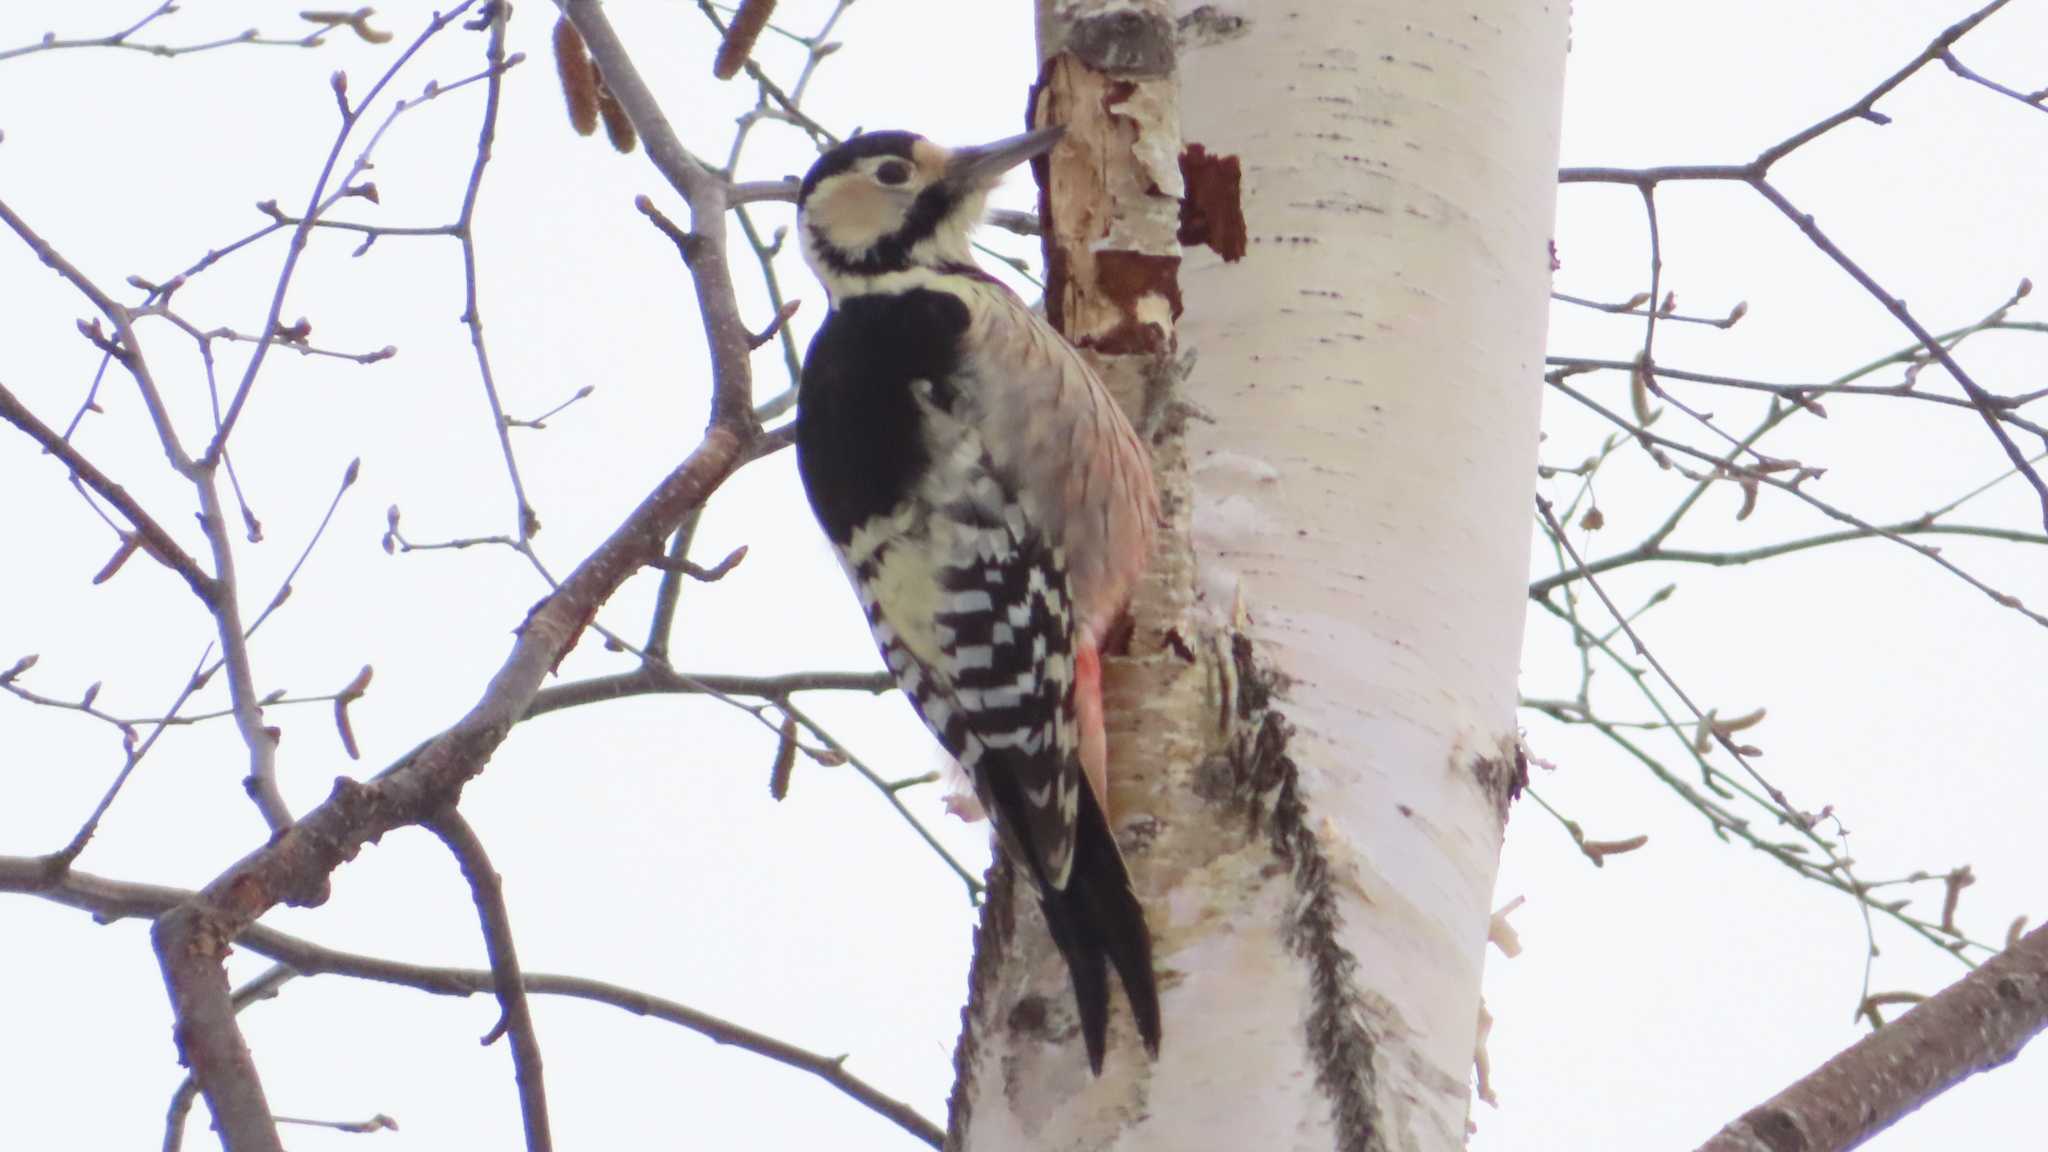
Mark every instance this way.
x=1656 y=998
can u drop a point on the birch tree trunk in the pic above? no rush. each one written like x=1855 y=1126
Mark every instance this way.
x=1312 y=735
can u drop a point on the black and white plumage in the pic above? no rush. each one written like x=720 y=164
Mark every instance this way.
x=993 y=508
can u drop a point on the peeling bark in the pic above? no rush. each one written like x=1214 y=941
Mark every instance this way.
x=1212 y=212
x=1110 y=192
x=1502 y=776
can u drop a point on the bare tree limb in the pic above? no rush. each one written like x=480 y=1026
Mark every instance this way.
x=377 y=1123
x=889 y=792
x=659 y=679
x=191 y=939
x=1800 y=394
x=110 y=899
x=472 y=308
x=515 y=1019
x=2032 y=100
x=1974 y=1025
x=51 y=42
x=1919 y=526
x=155 y=540
x=724 y=331
x=262 y=987
x=125 y=346
x=259 y=738
x=653 y=679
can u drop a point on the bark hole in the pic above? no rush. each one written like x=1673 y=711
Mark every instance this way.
x=1209 y=24
x=1777 y=1130
x=1130 y=43
x=1030 y=1016
x=1503 y=777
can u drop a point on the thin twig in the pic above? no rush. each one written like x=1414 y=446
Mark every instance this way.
x=2003 y=599
x=125 y=346
x=259 y=738
x=2038 y=101
x=123 y=39
x=515 y=1019
x=1919 y=526
x=1987 y=405
x=352 y=115
x=524 y=516
x=155 y=540
x=884 y=786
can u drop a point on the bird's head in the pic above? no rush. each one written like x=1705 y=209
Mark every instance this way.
x=888 y=201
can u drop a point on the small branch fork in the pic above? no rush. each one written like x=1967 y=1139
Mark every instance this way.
x=1755 y=174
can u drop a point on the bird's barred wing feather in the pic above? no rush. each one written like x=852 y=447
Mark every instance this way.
x=1057 y=438
x=991 y=670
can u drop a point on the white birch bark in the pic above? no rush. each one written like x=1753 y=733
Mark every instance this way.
x=1313 y=737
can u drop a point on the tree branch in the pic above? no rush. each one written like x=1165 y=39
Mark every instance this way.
x=724 y=331
x=1791 y=487
x=1976 y=1024
x=191 y=939
x=110 y=899
x=654 y=679
x=1988 y=406
x=126 y=346
x=260 y=739
x=1648 y=551
x=472 y=306
x=261 y=988
x=155 y=540
x=51 y=42
x=515 y=1019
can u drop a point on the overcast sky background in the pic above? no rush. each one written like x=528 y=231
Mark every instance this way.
x=1656 y=998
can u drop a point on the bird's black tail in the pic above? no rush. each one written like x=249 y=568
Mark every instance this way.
x=1097 y=923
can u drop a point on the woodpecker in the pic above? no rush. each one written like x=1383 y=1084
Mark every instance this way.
x=993 y=509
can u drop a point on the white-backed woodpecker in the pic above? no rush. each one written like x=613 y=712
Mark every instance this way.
x=994 y=509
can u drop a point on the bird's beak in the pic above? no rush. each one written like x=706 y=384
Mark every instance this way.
x=978 y=168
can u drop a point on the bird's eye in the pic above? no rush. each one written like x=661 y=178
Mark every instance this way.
x=892 y=172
